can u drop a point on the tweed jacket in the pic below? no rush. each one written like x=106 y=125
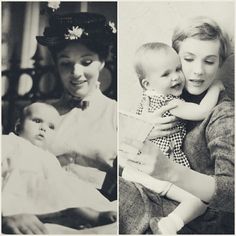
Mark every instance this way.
x=209 y=146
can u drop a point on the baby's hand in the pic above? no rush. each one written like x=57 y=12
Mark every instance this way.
x=219 y=84
x=107 y=217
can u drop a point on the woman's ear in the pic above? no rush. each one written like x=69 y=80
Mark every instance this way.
x=18 y=127
x=102 y=65
x=145 y=83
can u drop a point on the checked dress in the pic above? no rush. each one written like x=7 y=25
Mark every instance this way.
x=169 y=145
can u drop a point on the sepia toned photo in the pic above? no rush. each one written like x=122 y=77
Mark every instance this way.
x=176 y=117
x=59 y=117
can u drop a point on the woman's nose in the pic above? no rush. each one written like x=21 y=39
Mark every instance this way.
x=78 y=70
x=198 y=68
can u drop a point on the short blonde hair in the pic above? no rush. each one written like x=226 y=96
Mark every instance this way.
x=203 y=28
x=140 y=54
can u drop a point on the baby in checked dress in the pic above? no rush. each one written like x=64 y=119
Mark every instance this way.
x=160 y=74
x=169 y=145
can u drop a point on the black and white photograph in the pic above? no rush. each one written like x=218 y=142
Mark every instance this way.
x=118 y=117
x=59 y=117
x=176 y=117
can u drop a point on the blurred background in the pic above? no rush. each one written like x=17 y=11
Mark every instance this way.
x=154 y=21
x=27 y=72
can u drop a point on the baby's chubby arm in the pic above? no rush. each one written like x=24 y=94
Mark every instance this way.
x=196 y=112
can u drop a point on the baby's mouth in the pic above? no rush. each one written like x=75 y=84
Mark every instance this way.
x=40 y=136
x=176 y=86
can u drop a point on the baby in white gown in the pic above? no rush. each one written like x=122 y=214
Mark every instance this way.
x=33 y=181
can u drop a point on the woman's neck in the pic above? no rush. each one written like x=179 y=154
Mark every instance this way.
x=193 y=98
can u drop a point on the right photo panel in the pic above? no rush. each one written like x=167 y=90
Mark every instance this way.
x=176 y=117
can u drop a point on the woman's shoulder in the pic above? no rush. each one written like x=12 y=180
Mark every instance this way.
x=106 y=102
x=224 y=107
x=107 y=99
x=221 y=118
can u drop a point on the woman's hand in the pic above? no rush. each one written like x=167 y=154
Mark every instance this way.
x=22 y=224
x=152 y=161
x=164 y=126
x=107 y=217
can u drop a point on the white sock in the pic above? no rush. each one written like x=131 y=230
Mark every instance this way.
x=170 y=224
x=179 y=223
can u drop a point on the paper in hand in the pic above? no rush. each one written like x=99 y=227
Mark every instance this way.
x=133 y=131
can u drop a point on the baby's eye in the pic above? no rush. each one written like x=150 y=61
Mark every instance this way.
x=36 y=120
x=86 y=62
x=165 y=74
x=179 y=69
x=51 y=127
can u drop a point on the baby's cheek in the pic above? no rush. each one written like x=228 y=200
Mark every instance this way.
x=50 y=137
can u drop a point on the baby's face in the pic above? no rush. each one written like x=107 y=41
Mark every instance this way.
x=164 y=73
x=39 y=126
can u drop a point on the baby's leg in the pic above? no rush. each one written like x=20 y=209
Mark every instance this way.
x=190 y=207
x=156 y=185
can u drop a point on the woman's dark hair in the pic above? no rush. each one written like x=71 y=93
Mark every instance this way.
x=102 y=50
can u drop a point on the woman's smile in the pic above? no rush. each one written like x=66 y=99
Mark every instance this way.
x=77 y=83
x=79 y=69
x=196 y=82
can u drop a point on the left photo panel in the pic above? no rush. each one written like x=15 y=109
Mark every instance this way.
x=59 y=117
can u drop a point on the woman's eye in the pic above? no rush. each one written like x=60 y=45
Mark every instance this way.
x=188 y=59
x=209 y=62
x=86 y=62
x=65 y=64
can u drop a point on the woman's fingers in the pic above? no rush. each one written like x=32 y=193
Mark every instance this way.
x=40 y=227
x=167 y=120
x=157 y=133
x=159 y=112
x=168 y=107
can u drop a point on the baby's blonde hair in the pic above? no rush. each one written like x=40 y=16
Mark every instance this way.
x=203 y=28
x=140 y=54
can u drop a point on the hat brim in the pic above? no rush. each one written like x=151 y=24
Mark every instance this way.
x=57 y=41
x=50 y=41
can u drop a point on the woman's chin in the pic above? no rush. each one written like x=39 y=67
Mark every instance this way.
x=80 y=93
x=195 y=91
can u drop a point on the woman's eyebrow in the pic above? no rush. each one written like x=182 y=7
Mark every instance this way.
x=88 y=55
x=63 y=56
x=189 y=53
x=214 y=56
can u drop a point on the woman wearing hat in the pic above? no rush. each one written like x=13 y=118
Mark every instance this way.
x=79 y=44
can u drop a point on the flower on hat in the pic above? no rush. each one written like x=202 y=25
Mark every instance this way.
x=54 y=5
x=75 y=33
x=112 y=25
